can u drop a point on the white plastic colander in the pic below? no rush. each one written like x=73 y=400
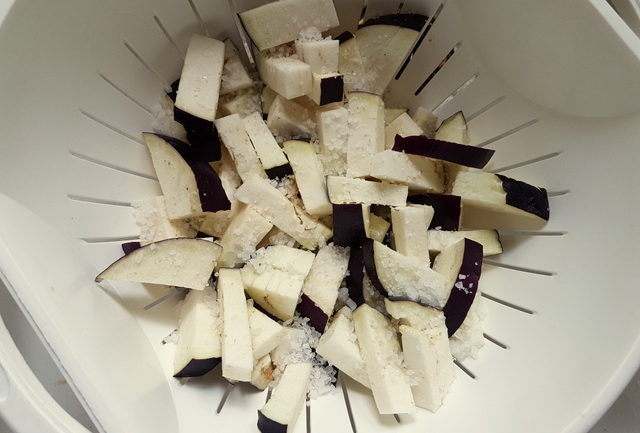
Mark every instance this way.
x=553 y=87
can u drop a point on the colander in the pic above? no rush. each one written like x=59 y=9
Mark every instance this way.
x=553 y=87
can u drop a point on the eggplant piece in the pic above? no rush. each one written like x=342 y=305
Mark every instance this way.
x=234 y=75
x=265 y=27
x=321 y=286
x=404 y=126
x=489 y=239
x=425 y=346
x=499 y=202
x=262 y=374
x=350 y=224
x=287 y=76
x=233 y=133
x=383 y=361
x=351 y=64
x=279 y=211
x=469 y=338
x=322 y=56
x=199 y=349
x=404 y=278
x=151 y=217
x=410 y=21
x=271 y=156
x=469 y=156
x=266 y=333
x=427 y=121
x=366 y=131
x=280 y=413
x=199 y=86
x=309 y=175
x=418 y=173
x=452 y=129
x=339 y=346
x=185 y=263
x=189 y=186
x=391 y=114
x=461 y=263
x=378 y=228
x=369 y=262
x=242 y=236
x=446 y=209
x=274 y=278
x=237 y=352
x=288 y=119
x=410 y=231
x=348 y=190
x=198 y=92
x=383 y=49
x=327 y=88
x=267 y=96
x=333 y=131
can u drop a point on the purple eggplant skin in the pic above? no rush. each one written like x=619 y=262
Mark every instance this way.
x=464 y=290
x=279 y=172
x=526 y=197
x=173 y=93
x=370 y=266
x=198 y=367
x=348 y=225
x=470 y=156
x=355 y=277
x=267 y=425
x=410 y=21
x=212 y=195
x=317 y=318
x=331 y=90
x=201 y=134
x=446 y=209
x=129 y=247
x=344 y=37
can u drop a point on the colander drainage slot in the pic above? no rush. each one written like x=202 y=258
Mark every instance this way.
x=466 y=371
x=421 y=38
x=486 y=108
x=508 y=133
x=123 y=93
x=111 y=127
x=111 y=166
x=519 y=268
x=107 y=239
x=534 y=233
x=97 y=200
x=225 y=396
x=459 y=89
x=507 y=304
x=527 y=162
x=308 y=414
x=558 y=193
x=164 y=82
x=444 y=61
x=196 y=13
x=168 y=36
x=347 y=402
x=494 y=341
